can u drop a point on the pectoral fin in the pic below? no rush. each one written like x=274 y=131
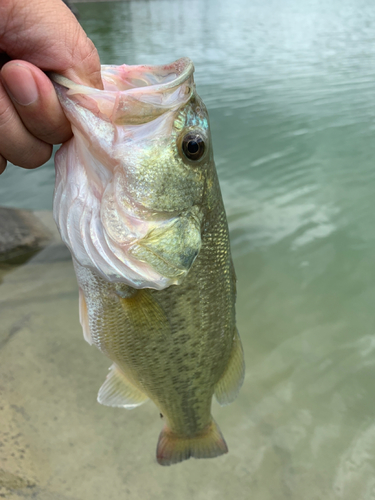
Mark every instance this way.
x=118 y=391
x=144 y=315
x=228 y=387
x=84 y=318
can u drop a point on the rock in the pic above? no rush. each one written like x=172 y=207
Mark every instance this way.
x=21 y=235
x=13 y=482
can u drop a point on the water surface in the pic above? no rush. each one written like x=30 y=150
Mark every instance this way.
x=290 y=90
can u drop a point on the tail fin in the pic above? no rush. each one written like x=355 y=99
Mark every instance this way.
x=173 y=448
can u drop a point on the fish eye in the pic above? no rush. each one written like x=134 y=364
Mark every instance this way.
x=193 y=146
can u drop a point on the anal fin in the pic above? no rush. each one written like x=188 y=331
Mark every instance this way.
x=227 y=389
x=118 y=391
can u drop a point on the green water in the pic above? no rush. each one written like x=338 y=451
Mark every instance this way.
x=290 y=88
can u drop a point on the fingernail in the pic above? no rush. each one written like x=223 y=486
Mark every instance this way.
x=20 y=84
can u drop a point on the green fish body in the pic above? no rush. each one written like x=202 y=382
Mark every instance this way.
x=144 y=219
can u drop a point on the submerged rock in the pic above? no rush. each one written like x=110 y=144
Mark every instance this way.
x=22 y=235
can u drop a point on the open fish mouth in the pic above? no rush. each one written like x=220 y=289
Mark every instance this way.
x=164 y=77
x=132 y=94
x=144 y=247
x=134 y=78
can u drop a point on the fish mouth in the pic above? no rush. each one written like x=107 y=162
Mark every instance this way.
x=132 y=95
x=160 y=78
x=133 y=79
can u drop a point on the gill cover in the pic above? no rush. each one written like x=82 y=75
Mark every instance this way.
x=111 y=202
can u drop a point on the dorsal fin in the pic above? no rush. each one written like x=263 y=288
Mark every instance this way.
x=228 y=387
x=118 y=391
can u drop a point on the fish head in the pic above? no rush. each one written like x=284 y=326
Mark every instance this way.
x=131 y=184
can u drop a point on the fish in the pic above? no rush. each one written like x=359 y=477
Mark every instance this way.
x=137 y=201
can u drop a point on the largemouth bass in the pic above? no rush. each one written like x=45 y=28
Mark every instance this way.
x=138 y=203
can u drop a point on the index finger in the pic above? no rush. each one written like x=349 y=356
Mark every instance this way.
x=47 y=34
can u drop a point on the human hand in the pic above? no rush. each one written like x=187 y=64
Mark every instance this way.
x=37 y=36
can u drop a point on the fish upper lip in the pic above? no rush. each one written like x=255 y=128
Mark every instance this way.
x=184 y=68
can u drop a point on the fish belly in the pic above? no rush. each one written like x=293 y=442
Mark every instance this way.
x=156 y=339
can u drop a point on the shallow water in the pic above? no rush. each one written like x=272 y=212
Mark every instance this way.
x=290 y=90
